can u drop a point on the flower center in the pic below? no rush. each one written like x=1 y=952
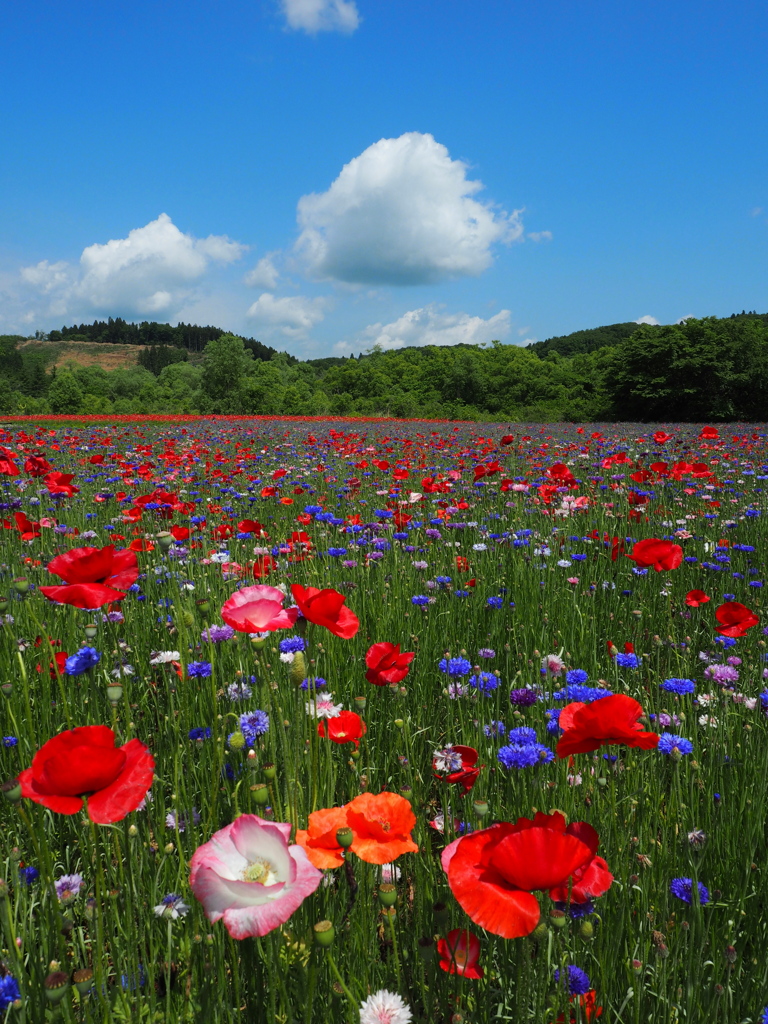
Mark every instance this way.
x=261 y=871
x=385 y=825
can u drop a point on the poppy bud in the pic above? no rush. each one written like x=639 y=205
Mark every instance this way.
x=236 y=741
x=56 y=985
x=558 y=918
x=637 y=966
x=426 y=946
x=440 y=911
x=7 y=688
x=164 y=540
x=387 y=895
x=586 y=930
x=260 y=794
x=188 y=618
x=20 y=584
x=3 y=605
x=360 y=703
x=399 y=723
x=324 y=933
x=133 y=831
x=114 y=693
x=269 y=771
x=170 y=848
x=83 y=979
x=204 y=605
x=11 y=790
x=406 y=792
x=540 y=931
x=91 y=630
x=345 y=837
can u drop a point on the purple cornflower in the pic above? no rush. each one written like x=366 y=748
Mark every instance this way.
x=578 y=980
x=217 y=634
x=292 y=645
x=253 y=724
x=682 y=888
x=68 y=886
x=523 y=697
x=199 y=668
x=486 y=652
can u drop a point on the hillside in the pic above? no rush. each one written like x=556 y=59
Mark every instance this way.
x=61 y=354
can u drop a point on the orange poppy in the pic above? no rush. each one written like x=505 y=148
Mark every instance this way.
x=319 y=838
x=382 y=827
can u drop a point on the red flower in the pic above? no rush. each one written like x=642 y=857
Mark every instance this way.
x=661 y=554
x=735 y=619
x=459 y=953
x=61 y=483
x=84 y=762
x=36 y=465
x=466 y=776
x=386 y=664
x=326 y=608
x=27 y=529
x=8 y=467
x=709 y=434
x=493 y=873
x=608 y=720
x=660 y=437
x=694 y=598
x=92 y=575
x=346 y=727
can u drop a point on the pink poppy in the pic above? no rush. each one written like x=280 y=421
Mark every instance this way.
x=251 y=877
x=258 y=609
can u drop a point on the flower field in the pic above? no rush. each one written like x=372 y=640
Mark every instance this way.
x=382 y=721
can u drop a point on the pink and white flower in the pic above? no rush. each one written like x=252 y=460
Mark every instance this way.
x=249 y=876
x=258 y=609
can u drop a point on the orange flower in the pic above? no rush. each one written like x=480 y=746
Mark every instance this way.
x=319 y=838
x=382 y=827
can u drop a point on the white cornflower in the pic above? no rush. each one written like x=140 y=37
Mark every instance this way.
x=173 y=907
x=323 y=707
x=286 y=657
x=447 y=760
x=385 y=1008
x=163 y=657
x=564 y=563
x=479 y=547
x=709 y=720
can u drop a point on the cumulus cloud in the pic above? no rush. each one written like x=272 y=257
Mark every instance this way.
x=291 y=316
x=648 y=320
x=148 y=273
x=314 y=16
x=263 y=275
x=401 y=213
x=430 y=326
x=539 y=236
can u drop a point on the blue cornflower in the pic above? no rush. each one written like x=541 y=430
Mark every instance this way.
x=9 y=992
x=553 y=721
x=523 y=697
x=78 y=663
x=253 y=724
x=524 y=755
x=678 y=686
x=200 y=732
x=10 y=741
x=292 y=645
x=495 y=602
x=318 y=683
x=579 y=558
x=576 y=676
x=683 y=889
x=442 y=581
x=455 y=666
x=337 y=552
x=726 y=641
x=523 y=734
x=583 y=694
x=29 y=875
x=576 y=910
x=420 y=599
x=764 y=1017
x=671 y=744
x=494 y=729
x=199 y=668
x=578 y=980
x=486 y=682
x=627 y=660
x=461 y=593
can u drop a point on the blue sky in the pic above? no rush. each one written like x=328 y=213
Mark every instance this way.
x=326 y=175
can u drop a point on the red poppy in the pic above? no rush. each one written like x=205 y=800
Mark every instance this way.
x=609 y=720
x=694 y=598
x=660 y=437
x=326 y=608
x=661 y=554
x=8 y=468
x=251 y=526
x=507 y=439
x=709 y=434
x=494 y=872
x=84 y=762
x=92 y=575
x=27 y=529
x=386 y=664
x=36 y=465
x=735 y=619
x=466 y=776
x=459 y=953
x=589 y=1008
x=258 y=609
x=346 y=727
x=61 y=483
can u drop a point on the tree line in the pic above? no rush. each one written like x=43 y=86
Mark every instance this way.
x=703 y=369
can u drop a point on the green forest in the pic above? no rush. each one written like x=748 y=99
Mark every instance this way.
x=708 y=369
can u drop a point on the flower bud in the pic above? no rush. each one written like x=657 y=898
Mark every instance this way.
x=7 y=688
x=586 y=929
x=114 y=693
x=269 y=772
x=20 y=584
x=540 y=931
x=637 y=966
x=399 y=723
x=236 y=741
x=169 y=848
x=11 y=790
x=360 y=703
x=558 y=918
x=480 y=807
x=324 y=933
x=440 y=911
x=407 y=792
x=3 y=605
x=164 y=540
x=91 y=630
x=204 y=604
x=426 y=946
x=132 y=831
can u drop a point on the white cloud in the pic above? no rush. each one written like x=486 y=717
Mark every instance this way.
x=263 y=275
x=429 y=326
x=291 y=316
x=648 y=320
x=321 y=15
x=401 y=213
x=539 y=236
x=682 y=319
x=149 y=272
